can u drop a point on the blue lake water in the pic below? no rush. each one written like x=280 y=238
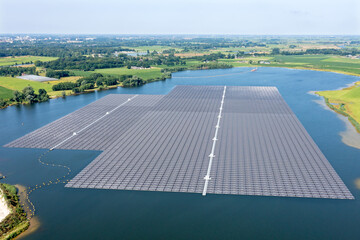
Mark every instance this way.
x=109 y=214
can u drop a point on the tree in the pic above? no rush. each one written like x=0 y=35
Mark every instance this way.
x=37 y=63
x=29 y=94
x=99 y=82
x=43 y=96
x=2 y=103
x=76 y=90
x=275 y=51
x=18 y=96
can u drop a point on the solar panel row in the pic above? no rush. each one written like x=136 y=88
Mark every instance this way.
x=162 y=143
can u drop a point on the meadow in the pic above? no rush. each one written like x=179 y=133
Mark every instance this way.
x=5 y=93
x=18 y=84
x=9 y=61
x=339 y=64
x=346 y=100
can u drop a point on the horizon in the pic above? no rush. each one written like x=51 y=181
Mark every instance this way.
x=183 y=34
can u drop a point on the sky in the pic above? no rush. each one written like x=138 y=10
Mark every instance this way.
x=244 y=17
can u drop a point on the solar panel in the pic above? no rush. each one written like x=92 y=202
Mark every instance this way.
x=197 y=139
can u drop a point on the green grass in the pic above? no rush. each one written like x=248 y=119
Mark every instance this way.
x=142 y=73
x=189 y=63
x=10 y=188
x=347 y=100
x=8 y=61
x=5 y=93
x=312 y=62
x=320 y=62
x=20 y=84
x=81 y=73
x=22 y=227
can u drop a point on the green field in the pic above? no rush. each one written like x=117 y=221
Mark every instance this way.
x=81 y=73
x=8 y=61
x=347 y=100
x=312 y=62
x=5 y=93
x=142 y=73
x=319 y=62
x=19 y=84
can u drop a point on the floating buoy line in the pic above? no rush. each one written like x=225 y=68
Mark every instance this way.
x=42 y=185
x=32 y=208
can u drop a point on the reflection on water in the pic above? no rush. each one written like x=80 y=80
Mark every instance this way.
x=357 y=183
x=350 y=136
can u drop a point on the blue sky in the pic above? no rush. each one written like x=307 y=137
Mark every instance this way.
x=181 y=16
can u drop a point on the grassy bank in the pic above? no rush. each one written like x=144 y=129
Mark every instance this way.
x=16 y=222
x=346 y=102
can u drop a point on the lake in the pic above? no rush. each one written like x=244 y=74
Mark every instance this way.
x=109 y=214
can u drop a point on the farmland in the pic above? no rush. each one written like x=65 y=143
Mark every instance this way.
x=339 y=64
x=9 y=61
x=19 y=84
x=5 y=93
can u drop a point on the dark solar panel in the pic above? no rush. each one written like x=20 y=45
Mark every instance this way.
x=163 y=143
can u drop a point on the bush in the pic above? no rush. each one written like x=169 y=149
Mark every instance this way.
x=64 y=86
x=2 y=103
x=76 y=90
x=17 y=215
x=110 y=81
x=57 y=74
x=133 y=82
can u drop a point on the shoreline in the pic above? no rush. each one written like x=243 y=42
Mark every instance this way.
x=350 y=119
x=254 y=65
x=310 y=69
x=34 y=221
x=4 y=208
x=16 y=221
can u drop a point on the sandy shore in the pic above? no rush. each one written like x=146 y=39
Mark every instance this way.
x=34 y=221
x=4 y=209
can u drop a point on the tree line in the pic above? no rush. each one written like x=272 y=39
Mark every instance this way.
x=16 y=71
x=27 y=95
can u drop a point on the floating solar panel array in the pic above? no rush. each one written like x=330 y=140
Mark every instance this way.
x=237 y=140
